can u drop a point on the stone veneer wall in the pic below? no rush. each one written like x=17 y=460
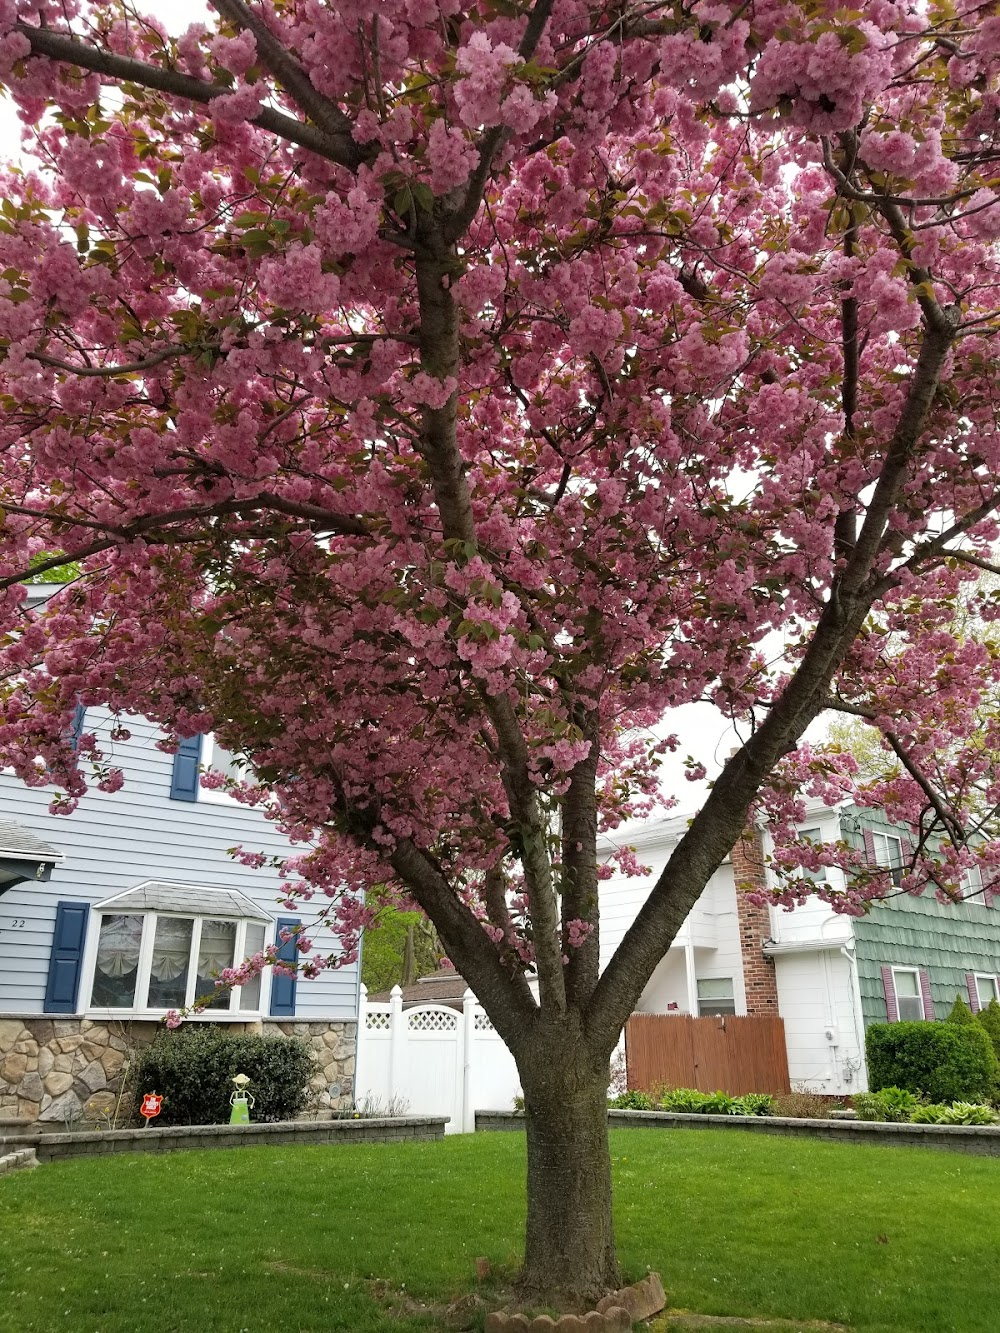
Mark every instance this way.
x=67 y=1070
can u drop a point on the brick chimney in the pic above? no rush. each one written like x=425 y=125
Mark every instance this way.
x=755 y=924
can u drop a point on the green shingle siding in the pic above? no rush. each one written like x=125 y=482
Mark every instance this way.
x=948 y=940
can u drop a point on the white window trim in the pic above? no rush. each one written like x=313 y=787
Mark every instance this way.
x=987 y=976
x=215 y=795
x=915 y=972
x=231 y=1015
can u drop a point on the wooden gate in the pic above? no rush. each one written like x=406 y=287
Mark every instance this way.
x=727 y=1054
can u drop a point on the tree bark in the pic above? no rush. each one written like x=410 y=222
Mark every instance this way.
x=569 y=1256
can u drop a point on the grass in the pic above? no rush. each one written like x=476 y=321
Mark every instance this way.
x=883 y=1240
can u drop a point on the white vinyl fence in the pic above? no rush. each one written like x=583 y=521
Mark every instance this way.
x=432 y=1060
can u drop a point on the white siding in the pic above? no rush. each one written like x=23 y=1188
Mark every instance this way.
x=817 y=998
x=712 y=926
x=115 y=841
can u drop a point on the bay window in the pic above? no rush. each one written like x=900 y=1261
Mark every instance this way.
x=165 y=957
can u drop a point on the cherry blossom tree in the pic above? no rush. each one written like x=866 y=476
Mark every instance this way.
x=433 y=398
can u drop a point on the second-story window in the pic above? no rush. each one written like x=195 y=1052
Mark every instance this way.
x=817 y=876
x=889 y=854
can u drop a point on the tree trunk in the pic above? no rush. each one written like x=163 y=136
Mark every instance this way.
x=569 y=1256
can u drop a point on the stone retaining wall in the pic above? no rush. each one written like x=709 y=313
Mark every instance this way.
x=285 y=1132
x=981 y=1139
x=69 y=1070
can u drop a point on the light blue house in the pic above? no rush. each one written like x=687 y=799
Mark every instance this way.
x=142 y=907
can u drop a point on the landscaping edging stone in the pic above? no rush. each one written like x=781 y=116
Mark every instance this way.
x=23 y=1159
x=49 y=1146
x=983 y=1140
x=614 y=1314
x=617 y=1320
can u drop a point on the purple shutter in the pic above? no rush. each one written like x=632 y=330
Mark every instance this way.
x=870 y=848
x=925 y=991
x=973 y=989
x=906 y=847
x=889 y=986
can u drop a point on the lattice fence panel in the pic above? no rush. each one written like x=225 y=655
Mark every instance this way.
x=431 y=1020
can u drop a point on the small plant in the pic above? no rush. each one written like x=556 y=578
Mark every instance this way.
x=519 y=1102
x=801 y=1106
x=719 y=1103
x=961 y=1113
x=887 y=1105
x=687 y=1101
x=754 y=1103
x=632 y=1101
x=377 y=1108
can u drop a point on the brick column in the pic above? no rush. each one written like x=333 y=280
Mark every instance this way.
x=755 y=925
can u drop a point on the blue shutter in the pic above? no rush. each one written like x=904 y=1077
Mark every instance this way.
x=76 y=726
x=283 y=988
x=66 y=961
x=184 y=782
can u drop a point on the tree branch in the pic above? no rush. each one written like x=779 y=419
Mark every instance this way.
x=150 y=526
x=61 y=47
x=495 y=137
x=279 y=60
x=506 y=997
x=714 y=830
x=108 y=372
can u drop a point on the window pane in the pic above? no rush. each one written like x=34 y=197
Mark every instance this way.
x=715 y=988
x=907 y=983
x=216 y=951
x=708 y=1008
x=171 y=962
x=250 y=993
x=117 y=962
x=911 y=1010
x=987 y=989
x=817 y=876
x=226 y=763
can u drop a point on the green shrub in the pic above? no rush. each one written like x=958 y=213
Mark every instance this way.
x=888 y=1104
x=960 y=1013
x=989 y=1020
x=685 y=1101
x=689 y=1101
x=962 y=1113
x=632 y=1101
x=754 y=1103
x=194 y=1066
x=944 y=1062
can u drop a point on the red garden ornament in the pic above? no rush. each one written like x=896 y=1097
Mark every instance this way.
x=150 y=1107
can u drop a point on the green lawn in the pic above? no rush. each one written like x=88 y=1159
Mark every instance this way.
x=884 y=1240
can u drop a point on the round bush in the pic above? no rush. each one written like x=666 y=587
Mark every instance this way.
x=945 y=1062
x=193 y=1068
